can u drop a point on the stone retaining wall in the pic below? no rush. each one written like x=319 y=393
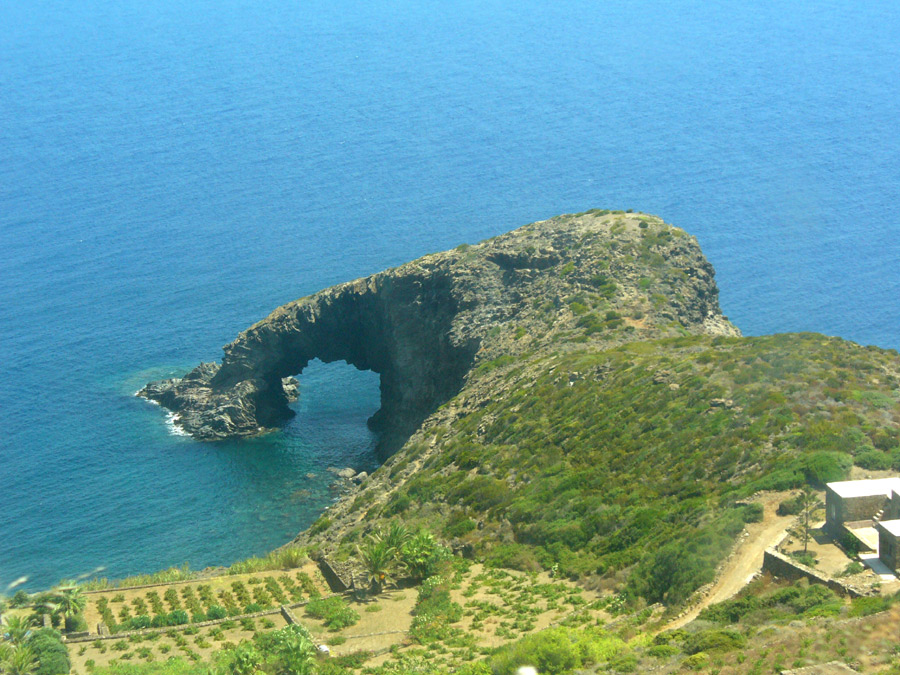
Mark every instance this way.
x=334 y=580
x=780 y=565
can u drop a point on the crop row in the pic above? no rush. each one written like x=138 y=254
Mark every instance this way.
x=200 y=603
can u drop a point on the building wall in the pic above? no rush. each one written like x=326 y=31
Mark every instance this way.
x=888 y=548
x=840 y=510
x=892 y=512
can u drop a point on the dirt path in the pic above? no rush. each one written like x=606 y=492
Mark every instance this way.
x=746 y=561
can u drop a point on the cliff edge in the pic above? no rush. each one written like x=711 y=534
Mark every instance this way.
x=598 y=277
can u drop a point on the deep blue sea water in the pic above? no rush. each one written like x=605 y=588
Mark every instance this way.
x=170 y=172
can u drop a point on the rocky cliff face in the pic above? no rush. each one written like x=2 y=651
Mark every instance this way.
x=599 y=277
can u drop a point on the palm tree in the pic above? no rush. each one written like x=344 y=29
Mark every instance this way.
x=808 y=501
x=16 y=628
x=6 y=650
x=69 y=601
x=396 y=536
x=378 y=558
x=21 y=661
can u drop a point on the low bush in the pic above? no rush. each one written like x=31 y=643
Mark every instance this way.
x=714 y=640
x=873 y=460
x=562 y=650
x=178 y=617
x=434 y=611
x=75 y=623
x=791 y=507
x=333 y=612
x=869 y=605
x=216 y=612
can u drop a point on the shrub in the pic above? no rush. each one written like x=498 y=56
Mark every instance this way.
x=791 y=507
x=288 y=650
x=753 y=513
x=459 y=524
x=421 y=555
x=216 y=612
x=826 y=467
x=873 y=460
x=434 y=611
x=178 y=618
x=51 y=653
x=320 y=525
x=75 y=623
x=869 y=605
x=696 y=661
x=714 y=640
x=141 y=621
x=333 y=612
x=552 y=652
x=807 y=559
x=850 y=544
x=853 y=567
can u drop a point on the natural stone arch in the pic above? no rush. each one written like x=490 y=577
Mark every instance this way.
x=398 y=327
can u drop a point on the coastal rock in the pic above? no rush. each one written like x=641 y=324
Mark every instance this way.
x=605 y=277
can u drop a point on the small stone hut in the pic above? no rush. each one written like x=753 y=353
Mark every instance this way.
x=852 y=501
x=867 y=503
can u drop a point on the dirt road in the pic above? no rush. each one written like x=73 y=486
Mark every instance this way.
x=748 y=558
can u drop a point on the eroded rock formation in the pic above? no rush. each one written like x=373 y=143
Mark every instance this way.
x=598 y=277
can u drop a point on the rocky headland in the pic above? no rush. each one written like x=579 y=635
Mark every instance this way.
x=598 y=277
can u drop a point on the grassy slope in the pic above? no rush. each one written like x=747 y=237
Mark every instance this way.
x=624 y=459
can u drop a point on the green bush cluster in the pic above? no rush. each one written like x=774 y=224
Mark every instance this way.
x=434 y=611
x=333 y=611
x=781 y=604
x=562 y=650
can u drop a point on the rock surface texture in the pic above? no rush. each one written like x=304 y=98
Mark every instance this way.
x=599 y=277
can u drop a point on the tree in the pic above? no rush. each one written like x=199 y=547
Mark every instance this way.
x=20 y=599
x=808 y=501
x=51 y=653
x=20 y=661
x=17 y=628
x=396 y=536
x=377 y=559
x=70 y=600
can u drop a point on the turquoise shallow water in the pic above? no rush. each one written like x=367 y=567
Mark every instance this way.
x=170 y=172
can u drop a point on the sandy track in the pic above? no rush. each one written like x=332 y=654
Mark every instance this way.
x=746 y=561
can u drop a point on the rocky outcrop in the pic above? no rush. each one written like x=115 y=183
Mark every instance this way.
x=607 y=277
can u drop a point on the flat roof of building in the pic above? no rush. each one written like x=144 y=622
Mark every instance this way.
x=866 y=488
x=891 y=526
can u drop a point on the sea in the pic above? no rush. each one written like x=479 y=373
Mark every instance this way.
x=170 y=172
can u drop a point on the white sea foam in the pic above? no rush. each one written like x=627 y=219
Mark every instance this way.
x=174 y=428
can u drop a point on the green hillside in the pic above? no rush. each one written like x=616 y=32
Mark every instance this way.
x=637 y=458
